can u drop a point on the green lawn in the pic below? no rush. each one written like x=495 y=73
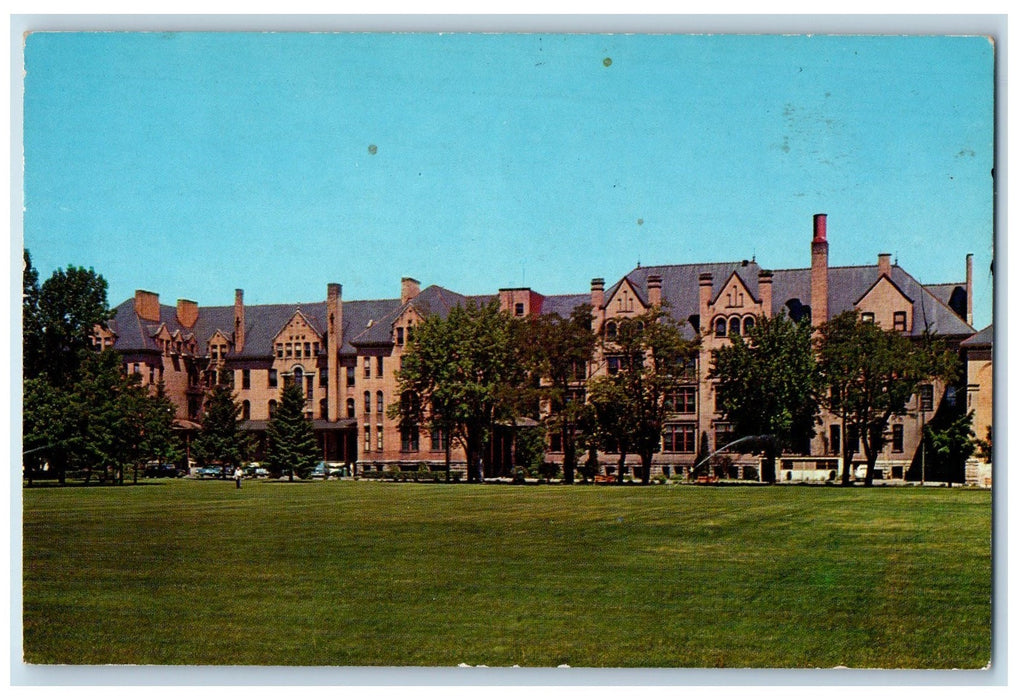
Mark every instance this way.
x=357 y=573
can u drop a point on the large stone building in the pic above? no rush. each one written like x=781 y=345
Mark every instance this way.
x=345 y=353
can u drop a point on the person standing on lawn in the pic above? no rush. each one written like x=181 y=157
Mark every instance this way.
x=237 y=474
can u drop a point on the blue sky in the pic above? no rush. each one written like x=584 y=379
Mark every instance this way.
x=195 y=164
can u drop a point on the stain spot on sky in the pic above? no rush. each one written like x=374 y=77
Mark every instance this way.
x=607 y=61
x=966 y=152
x=372 y=149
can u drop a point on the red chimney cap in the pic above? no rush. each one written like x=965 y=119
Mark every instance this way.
x=819 y=227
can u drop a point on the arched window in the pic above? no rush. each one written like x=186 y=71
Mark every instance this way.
x=611 y=331
x=367 y=402
x=720 y=327
x=735 y=326
x=379 y=402
x=351 y=408
x=747 y=324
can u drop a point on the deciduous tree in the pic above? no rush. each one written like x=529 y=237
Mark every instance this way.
x=767 y=385
x=466 y=371
x=557 y=352
x=631 y=405
x=869 y=374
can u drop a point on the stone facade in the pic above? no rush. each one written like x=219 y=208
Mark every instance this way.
x=345 y=353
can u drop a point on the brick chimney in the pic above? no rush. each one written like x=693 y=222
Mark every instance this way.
x=597 y=293
x=333 y=344
x=654 y=289
x=818 y=271
x=884 y=264
x=146 y=305
x=187 y=312
x=706 y=291
x=238 y=320
x=968 y=288
x=409 y=288
x=765 y=285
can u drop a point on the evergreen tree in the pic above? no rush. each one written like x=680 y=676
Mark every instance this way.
x=220 y=441
x=292 y=448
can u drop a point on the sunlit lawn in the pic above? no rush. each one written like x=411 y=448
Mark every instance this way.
x=358 y=573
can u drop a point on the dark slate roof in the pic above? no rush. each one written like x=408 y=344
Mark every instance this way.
x=982 y=339
x=563 y=304
x=370 y=322
x=680 y=288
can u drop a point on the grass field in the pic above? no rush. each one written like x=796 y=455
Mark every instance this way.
x=357 y=573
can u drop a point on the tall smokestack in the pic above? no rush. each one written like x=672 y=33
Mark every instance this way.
x=238 y=321
x=818 y=271
x=333 y=343
x=968 y=288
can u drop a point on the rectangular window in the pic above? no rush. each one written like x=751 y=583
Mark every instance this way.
x=853 y=439
x=380 y=442
x=367 y=402
x=519 y=309
x=438 y=441
x=614 y=362
x=380 y=366
x=273 y=378
x=409 y=440
x=307 y=349
x=722 y=435
x=926 y=397
x=556 y=442
x=151 y=375
x=351 y=378
x=899 y=321
x=836 y=439
x=279 y=350
x=289 y=349
x=367 y=367
x=379 y=402
x=399 y=336
x=323 y=377
x=682 y=400
x=680 y=438
x=297 y=352
x=898 y=438
x=245 y=379
x=309 y=383
x=367 y=438
x=867 y=317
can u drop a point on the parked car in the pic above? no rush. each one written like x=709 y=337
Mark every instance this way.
x=320 y=471
x=210 y=473
x=154 y=470
x=253 y=471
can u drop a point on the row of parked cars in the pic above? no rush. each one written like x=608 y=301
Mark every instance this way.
x=251 y=471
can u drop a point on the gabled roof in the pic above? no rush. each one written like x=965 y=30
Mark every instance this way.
x=875 y=283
